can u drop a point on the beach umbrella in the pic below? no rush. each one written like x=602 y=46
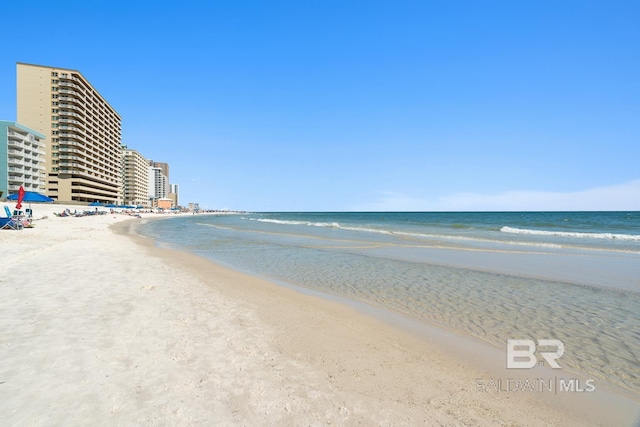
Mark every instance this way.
x=96 y=204
x=30 y=196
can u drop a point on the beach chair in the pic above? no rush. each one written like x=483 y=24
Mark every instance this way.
x=16 y=215
x=11 y=222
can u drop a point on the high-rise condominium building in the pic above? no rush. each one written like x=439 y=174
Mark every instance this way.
x=158 y=183
x=164 y=167
x=83 y=159
x=173 y=194
x=21 y=159
x=136 y=179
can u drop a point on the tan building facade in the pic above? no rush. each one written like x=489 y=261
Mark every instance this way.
x=136 y=179
x=165 y=203
x=84 y=154
x=173 y=194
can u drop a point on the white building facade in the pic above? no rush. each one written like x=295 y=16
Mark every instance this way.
x=158 y=184
x=22 y=159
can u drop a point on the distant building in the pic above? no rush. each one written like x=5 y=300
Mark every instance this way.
x=194 y=207
x=164 y=167
x=164 y=203
x=84 y=155
x=135 y=179
x=158 y=184
x=173 y=194
x=21 y=159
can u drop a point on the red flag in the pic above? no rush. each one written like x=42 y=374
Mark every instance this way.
x=20 y=197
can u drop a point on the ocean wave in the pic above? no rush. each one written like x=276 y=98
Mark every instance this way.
x=220 y=227
x=309 y=223
x=513 y=230
x=438 y=236
x=400 y=234
x=323 y=224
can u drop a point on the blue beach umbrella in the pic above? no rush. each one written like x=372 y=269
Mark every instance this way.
x=96 y=204
x=31 y=196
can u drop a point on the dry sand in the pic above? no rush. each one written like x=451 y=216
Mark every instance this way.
x=99 y=328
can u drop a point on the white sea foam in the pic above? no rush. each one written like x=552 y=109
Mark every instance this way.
x=571 y=234
x=323 y=224
x=368 y=230
x=308 y=223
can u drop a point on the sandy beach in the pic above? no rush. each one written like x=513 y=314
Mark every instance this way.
x=102 y=327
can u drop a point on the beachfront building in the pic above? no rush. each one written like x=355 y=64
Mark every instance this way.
x=158 y=185
x=164 y=203
x=84 y=154
x=158 y=181
x=21 y=159
x=173 y=194
x=164 y=167
x=135 y=179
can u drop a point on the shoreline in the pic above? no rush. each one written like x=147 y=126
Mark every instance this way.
x=494 y=312
x=147 y=334
x=481 y=356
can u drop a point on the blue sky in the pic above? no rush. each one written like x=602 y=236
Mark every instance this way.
x=360 y=105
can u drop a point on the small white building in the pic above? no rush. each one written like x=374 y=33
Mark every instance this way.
x=21 y=159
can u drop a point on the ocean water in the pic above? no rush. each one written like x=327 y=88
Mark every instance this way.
x=572 y=276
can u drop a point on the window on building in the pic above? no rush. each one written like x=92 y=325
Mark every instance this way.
x=54 y=74
x=54 y=89
x=54 y=81
x=54 y=96
x=54 y=117
x=54 y=110
x=54 y=103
